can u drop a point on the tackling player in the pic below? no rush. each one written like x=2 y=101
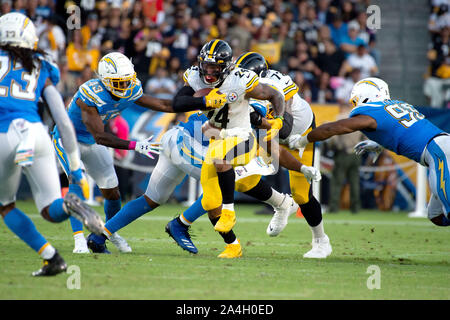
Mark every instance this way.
x=298 y=119
x=25 y=77
x=96 y=102
x=229 y=100
x=184 y=150
x=399 y=127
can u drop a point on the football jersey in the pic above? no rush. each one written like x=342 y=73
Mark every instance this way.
x=301 y=110
x=20 y=90
x=235 y=113
x=400 y=127
x=95 y=95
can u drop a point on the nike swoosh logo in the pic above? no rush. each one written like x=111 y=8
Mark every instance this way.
x=270 y=228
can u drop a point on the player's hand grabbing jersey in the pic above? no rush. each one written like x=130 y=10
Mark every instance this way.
x=235 y=113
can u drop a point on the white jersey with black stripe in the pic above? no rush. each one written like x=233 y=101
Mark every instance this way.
x=236 y=112
x=301 y=110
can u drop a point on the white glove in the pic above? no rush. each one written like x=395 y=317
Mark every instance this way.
x=148 y=148
x=296 y=141
x=235 y=132
x=311 y=173
x=368 y=146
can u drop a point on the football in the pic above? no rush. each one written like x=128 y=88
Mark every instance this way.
x=202 y=92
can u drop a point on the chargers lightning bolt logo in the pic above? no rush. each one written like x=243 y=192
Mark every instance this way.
x=441 y=170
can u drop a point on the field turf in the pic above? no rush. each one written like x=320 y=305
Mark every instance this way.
x=413 y=257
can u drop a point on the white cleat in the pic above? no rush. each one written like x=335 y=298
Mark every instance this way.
x=81 y=245
x=281 y=215
x=321 y=248
x=120 y=243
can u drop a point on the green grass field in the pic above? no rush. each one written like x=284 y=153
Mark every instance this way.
x=413 y=256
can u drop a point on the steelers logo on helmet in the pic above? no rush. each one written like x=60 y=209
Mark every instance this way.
x=215 y=62
x=252 y=61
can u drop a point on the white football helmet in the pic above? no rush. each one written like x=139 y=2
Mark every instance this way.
x=369 y=90
x=117 y=73
x=18 y=30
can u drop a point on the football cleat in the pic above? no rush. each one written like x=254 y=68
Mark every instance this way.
x=120 y=243
x=180 y=233
x=321 y=248
x=51 y=266
x=232 y=251
x=95 y=245
x=226 y=221
x=78 y=209
x=281 y=216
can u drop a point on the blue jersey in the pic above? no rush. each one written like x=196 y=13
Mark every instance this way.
x=400 y=127
x=95 y=95
x=20 y=90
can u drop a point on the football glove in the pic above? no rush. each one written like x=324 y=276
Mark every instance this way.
x=368 y=146
x=78 y=177
x=215 y=100
x=148 y=148
x=276 y=124
x=297 y=141
x=311 y=173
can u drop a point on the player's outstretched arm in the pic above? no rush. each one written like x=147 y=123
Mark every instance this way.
x=184 y=100
x=68 y=136
x=155 y=104
x=330 y=129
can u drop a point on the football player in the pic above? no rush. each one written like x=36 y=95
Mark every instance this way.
x=228 y=105
x=298 y=119
x=184 y=150
x=396 y=126
x=96 y=102
x=25 y=77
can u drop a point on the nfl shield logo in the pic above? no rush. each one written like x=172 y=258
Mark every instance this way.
x=232 y=96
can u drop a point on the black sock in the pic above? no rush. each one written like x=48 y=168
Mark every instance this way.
x=228 y=237
x=312 y=211
x=180 y=222
x=262 y=191
x=226 y=183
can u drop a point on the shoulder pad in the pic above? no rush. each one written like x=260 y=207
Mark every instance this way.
x=52 y=69
x=247 y=78
x=90 y=93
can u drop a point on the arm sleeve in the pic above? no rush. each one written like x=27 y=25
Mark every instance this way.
x=65 y=127
x=185 y=101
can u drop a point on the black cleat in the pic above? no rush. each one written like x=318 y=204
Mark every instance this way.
x=81 y=211
x=95 y=246
x=51 y=266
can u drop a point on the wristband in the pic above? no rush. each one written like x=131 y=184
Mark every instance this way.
x=132 y=145
x=279 y=117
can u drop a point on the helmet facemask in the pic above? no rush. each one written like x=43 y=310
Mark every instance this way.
x=120 y=87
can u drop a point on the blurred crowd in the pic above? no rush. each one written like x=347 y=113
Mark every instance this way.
x=324 y=45
x=437 y=84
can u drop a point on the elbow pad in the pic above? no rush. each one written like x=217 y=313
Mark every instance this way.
x=255 y=118
x=288 y=122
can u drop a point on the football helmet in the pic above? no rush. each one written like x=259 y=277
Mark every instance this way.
x=215 y=61
x=117 y=73
x=252 y=61
x=18 y=30
x=369 y=90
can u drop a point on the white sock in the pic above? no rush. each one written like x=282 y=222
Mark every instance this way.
x=184 y=221
x=276 y=200
x=79 y=236
x=48 y=252
x=228 y=206
x=235 y=241
x=317 y=231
